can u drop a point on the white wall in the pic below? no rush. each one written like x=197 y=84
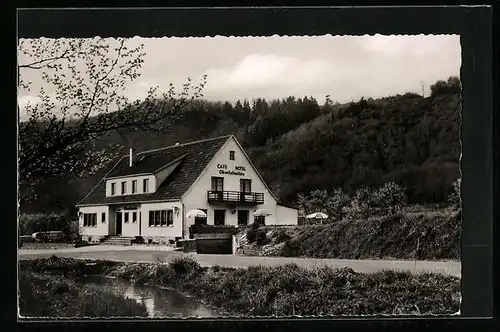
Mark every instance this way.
x=102 y=228
x=196 y=198
x=140 y=189
x=287 y=216
x=166 y=231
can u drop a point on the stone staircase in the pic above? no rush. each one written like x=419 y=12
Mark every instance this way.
x=117 y=240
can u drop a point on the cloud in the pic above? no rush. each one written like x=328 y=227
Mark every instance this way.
x=258 y=71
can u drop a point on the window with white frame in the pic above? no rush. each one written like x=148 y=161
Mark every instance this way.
x=124 y=187
x=125 y=217
x=245 y=185
x=90 y=220
x=217 y=183
x=134 y=186
x=103 y=217
x=161 y=218
x=134 y=217
x=231 y=155
x=145 y=185
x=113 y=188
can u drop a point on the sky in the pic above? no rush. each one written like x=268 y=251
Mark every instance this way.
x=344 y=67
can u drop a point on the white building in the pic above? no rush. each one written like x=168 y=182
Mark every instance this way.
x=148 y=194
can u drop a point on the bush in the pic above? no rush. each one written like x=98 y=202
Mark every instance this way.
x=291 y=249
x=185 y=265
x=390 y=198
x=360 y=205
x=138 y=240
x=454 y=199
x=451 y=86
x=261 y=237
x=339 y=199
x=252 y=232
x=282 y=236
x=43 y=222
x=255 y=225
x=322 y=201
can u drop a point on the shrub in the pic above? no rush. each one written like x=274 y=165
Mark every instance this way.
x=42 y=222
x=339 y=199
x=185 y=265
x=261 y=237
x=282 y=236
x=255 y=225
x=359 y=208
x=454 y=198
x=453 y=85
x=252 y=232
x=322 y=201
x=138 y=240
x=390 y=198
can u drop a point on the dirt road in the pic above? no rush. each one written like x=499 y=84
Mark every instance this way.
x=130 y=254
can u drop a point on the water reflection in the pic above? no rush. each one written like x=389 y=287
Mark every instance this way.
x=159 y=302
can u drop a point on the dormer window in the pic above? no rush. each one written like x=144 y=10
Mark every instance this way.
x=145 y=185
x=231 y=155
x=113 y=188
x=124 y=187
x=134 y=186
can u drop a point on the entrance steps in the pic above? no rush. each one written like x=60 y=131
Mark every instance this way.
x=117 y=240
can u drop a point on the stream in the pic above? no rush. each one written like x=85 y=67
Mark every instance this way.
x=159 y=302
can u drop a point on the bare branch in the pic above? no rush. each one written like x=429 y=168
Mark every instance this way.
x=88 y=78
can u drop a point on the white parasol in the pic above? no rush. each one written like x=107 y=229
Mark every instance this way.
x=261 y=212
x=317 y=215
x=196 y=213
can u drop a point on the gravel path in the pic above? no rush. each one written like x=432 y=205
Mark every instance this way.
x=152 y=254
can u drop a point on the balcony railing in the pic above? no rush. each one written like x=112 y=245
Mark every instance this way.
x=235 y=197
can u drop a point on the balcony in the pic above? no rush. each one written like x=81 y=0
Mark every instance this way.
x=235 y=197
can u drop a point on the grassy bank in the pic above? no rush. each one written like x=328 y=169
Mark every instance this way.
x=46 y=295
x=410 y=235
x=283 y=290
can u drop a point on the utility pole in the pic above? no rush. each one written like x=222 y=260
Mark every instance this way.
x=423 y=86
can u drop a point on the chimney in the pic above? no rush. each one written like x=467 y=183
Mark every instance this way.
x=131 y=157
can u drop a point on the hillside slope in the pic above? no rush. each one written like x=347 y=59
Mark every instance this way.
x=407 y=236
x=410 y=140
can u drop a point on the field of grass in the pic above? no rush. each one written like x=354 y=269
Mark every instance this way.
x=428 y=235
x=49 y=296
x=280 y=291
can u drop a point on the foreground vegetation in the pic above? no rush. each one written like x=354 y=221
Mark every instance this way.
x=280 y=291
x=56 y=296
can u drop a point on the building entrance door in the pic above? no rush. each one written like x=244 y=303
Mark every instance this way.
x=219 y=217
x=118 y=222
x=242 y=217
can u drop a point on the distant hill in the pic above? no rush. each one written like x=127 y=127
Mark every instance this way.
x=299 y=145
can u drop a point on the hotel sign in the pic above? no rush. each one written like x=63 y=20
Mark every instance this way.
x=238 y=170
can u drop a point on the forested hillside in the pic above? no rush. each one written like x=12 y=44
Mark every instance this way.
x=299 y=145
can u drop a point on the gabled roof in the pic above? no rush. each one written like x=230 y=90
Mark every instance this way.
x=193 y=156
